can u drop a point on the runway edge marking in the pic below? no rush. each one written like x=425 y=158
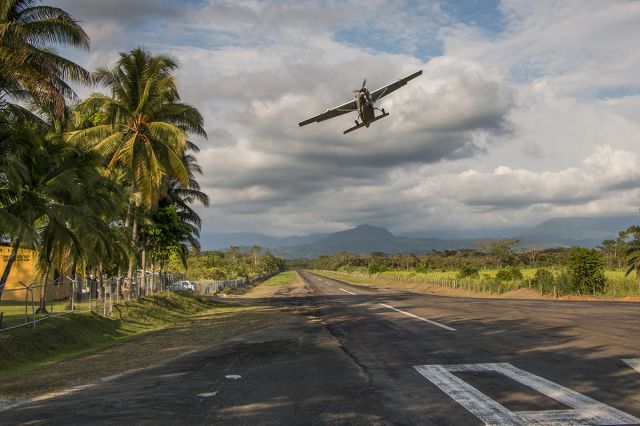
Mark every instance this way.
x=585 y=410
x=633 y=363
x=446 y=327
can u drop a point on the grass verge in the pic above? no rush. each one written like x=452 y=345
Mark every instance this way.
x=25 y=348
x=283 y=278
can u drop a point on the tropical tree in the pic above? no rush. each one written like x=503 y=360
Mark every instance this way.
x=142 y=128
x=48 y=196
x=29 y=68
x=633 y=251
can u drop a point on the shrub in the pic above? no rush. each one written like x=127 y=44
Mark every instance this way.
x=563 y=283
x=586 y=268
x=544 y=280
x=503 y=275
x=376 y=268
x=516 y=275
x=468 y=271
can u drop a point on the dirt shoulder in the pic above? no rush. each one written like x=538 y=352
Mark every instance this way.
x=140 y=351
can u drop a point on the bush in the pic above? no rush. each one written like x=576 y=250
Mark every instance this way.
x=376 y=268
x=468 y=271
x=586 y=268
x=516 y=275
x=544 y=280
x=563 y=283
x=503 y=275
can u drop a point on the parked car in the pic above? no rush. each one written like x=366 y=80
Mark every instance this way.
x=187 y=286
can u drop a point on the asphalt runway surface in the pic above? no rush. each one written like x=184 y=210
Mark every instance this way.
x=375 y=357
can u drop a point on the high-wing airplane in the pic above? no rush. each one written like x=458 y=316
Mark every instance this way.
x=364 y=103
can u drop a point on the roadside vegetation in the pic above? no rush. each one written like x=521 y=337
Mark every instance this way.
x=497 y=267
x=233 y=263
x=102 y=186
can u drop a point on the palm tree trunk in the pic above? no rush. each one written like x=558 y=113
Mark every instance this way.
x=43 y=292
x=153 y=273
x=132 y=259
x=7 y=269
x=143 y=262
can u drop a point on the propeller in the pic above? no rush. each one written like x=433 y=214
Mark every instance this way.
x=364 y=82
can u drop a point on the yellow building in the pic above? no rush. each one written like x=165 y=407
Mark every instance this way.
x=24 y=271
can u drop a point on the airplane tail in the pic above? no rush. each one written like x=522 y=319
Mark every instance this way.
x=359 y=125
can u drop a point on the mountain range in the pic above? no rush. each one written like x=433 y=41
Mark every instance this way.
x=557 y=232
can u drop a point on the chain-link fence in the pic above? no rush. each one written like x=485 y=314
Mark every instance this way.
x=28 y=304
x=210 y=288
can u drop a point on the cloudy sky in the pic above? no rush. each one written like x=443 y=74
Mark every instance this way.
x=525 y=110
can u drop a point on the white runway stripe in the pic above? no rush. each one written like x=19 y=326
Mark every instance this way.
x=633 y=363
x=446 y=327
x=585 y=410
x=347 y=291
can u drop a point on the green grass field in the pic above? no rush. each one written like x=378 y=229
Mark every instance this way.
x=283 y=278
x=617 y=285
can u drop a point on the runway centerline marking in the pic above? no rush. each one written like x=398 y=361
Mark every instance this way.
x=633 y=363
x=446 y=327
x=346 y=291
x=584 y=410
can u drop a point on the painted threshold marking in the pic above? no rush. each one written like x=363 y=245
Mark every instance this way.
x=446 y=327
x=584 y=410
x=347 y=291
x=208 y=394
x=633 y=363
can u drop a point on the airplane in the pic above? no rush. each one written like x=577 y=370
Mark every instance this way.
x=364 y=103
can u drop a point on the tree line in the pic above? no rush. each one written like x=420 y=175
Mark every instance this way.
x=101 y=185
x=619 y=253
x=235 y=262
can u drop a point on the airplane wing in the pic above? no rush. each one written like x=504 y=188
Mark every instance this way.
x=330 y=113
x=384 y=91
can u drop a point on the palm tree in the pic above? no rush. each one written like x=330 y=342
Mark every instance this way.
x=144 y=129
x=633 y=250
x=145 y=126
x=633 y=260
x=29 y=69
x=45 y=202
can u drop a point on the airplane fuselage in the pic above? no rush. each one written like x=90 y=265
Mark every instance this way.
x=365 y=107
